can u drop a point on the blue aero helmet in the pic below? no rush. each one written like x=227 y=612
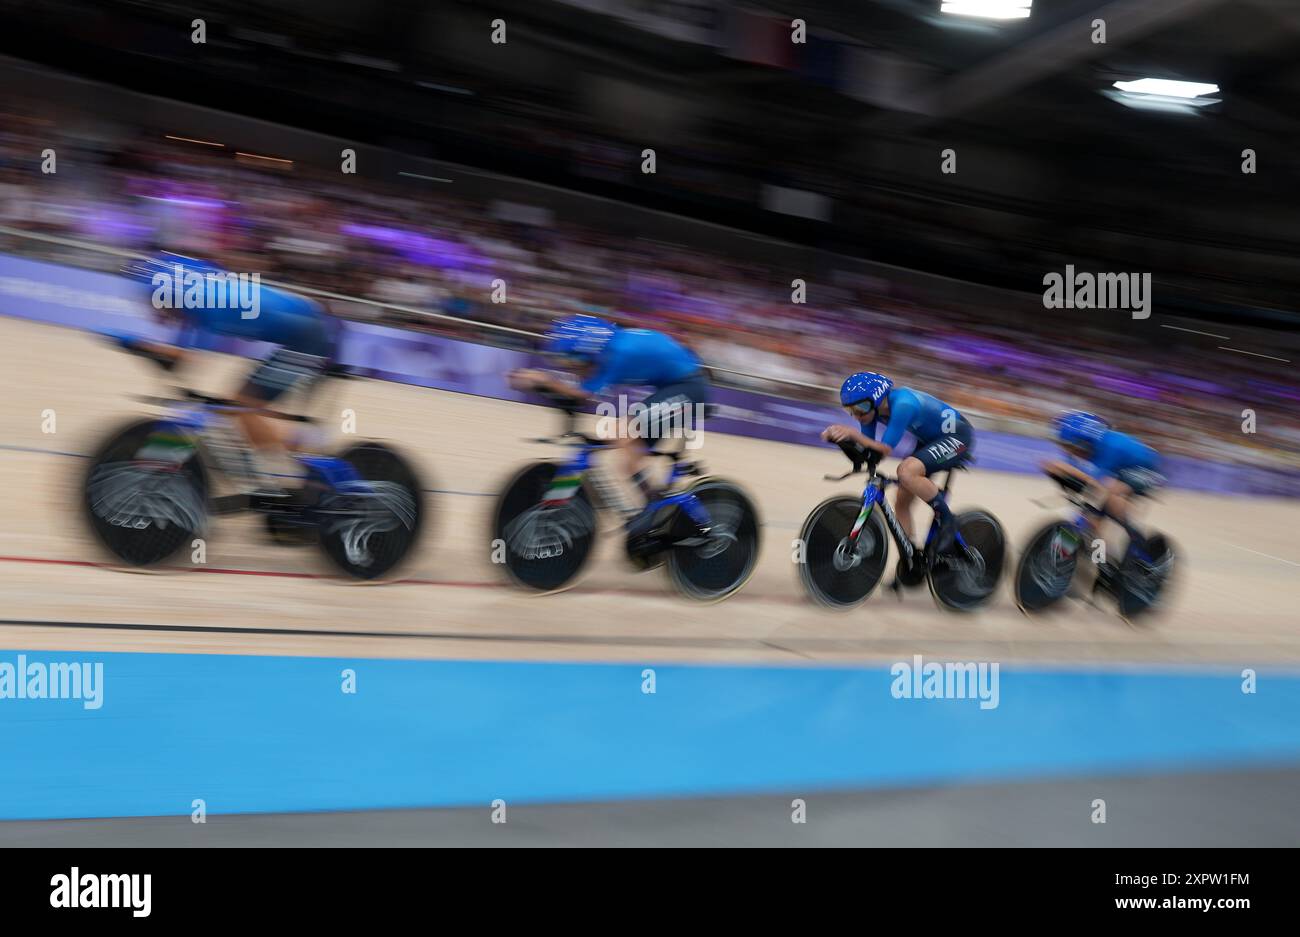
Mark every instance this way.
x=581 y=336
x=1077 y=428
x=165 y=263
x=863 y=387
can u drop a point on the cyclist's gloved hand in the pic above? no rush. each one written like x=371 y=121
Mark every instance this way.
x=562 y=401
x=1069 y=482
x=856 y=453
x=136 y=345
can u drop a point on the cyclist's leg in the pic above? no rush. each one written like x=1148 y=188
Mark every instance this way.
x=903 y=496
x=1116 y=502
x=1128 y=484
x=633 y=456
x=285 y=369
x=936 y=455
x=668 y=414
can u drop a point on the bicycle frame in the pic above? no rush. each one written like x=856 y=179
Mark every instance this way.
x=207 y=420
x=226 y=449
x=874 y=494
x=570 y=475
x=1086 y=510
x=219 y=439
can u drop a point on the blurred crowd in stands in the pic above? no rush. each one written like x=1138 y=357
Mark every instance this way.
x=432 y=257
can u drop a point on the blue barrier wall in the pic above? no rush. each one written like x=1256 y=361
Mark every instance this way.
x=267 y=734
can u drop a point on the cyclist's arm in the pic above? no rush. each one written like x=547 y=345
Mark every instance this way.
x=1095 y=487
x=607 y=373
x=873 y=444
x=158 y=351
x=187 y=329
x=186 y=339
x=838 y=432
x=179 y=355
x=562 y=387
x=178 y=349
x=542 y=382
x=901 y=415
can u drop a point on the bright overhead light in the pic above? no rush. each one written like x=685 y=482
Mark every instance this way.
x=1167 y=87
x=1159 y=102
x=1163 y=94
x=989 y=9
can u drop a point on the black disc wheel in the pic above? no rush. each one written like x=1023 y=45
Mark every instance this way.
x=836 y=570
x=543 y=529
x=145 y=493
x=968 y=578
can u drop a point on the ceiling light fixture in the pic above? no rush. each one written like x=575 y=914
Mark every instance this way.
x=1163 y=94
x=988 y=9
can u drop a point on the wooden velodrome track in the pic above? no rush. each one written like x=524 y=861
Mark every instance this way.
x=1236 y=602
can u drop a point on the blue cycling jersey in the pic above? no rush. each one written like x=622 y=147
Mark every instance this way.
x=1117 y=451
x=642 y=357
x=282 y=319
x=917 y=412
x=242 y=309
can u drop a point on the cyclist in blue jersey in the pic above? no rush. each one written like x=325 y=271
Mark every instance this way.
x=305 y=336
x=604 y=355
x=1114 y=466
x=944 y=440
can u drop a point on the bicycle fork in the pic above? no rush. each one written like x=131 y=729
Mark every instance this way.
x=848 y=552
